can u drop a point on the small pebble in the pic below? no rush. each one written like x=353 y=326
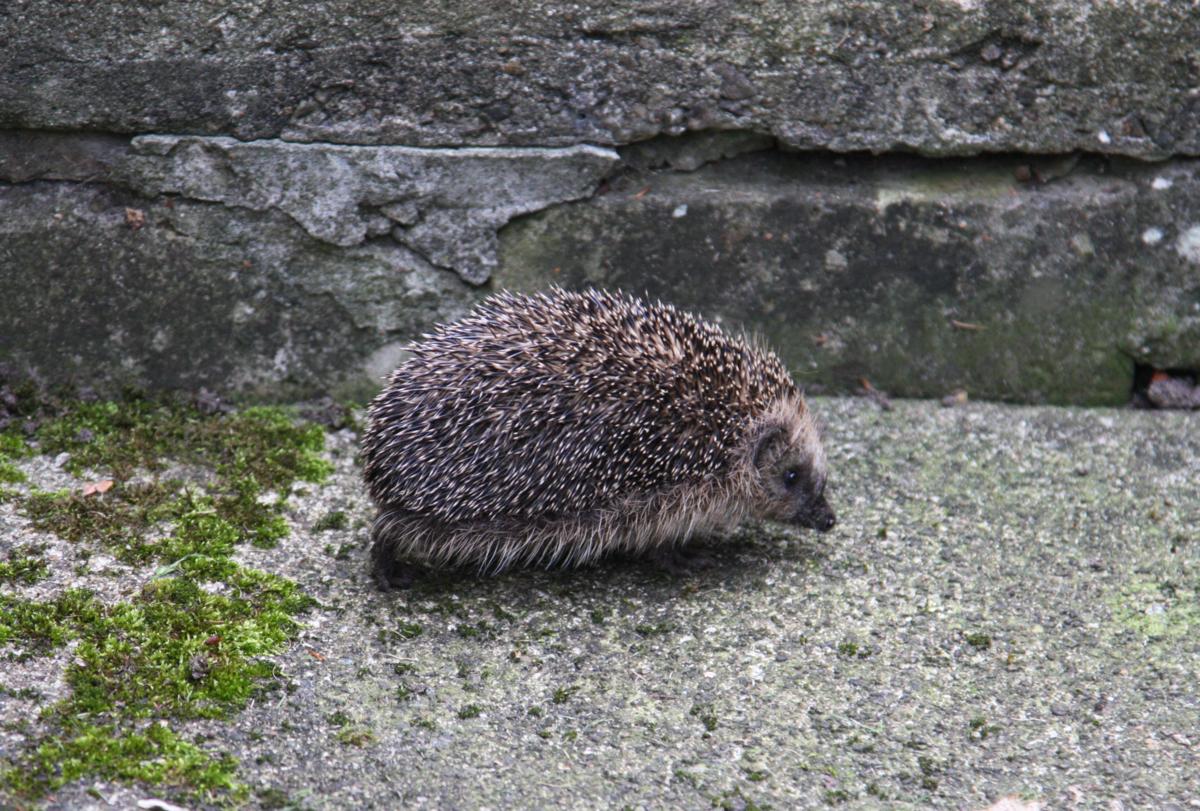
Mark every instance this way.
x=991 y=52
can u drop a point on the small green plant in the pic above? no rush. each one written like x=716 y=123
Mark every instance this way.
x=707 y=716
x=24 y=564
x=978 y=641
x=335 y=519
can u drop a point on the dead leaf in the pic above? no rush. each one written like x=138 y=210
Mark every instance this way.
x=102 y=486
x=135 y=218
x=965 y=325
x=641 y=194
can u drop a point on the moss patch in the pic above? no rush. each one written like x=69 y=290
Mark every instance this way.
x=117 y=521
x=23 y=565
x=191 y=642
x=12 y=447
x=1160 y=611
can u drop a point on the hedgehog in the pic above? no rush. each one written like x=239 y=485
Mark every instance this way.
x=554 y=428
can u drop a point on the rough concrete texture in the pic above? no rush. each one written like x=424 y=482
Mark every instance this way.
x=270 y=267
x=444 y=204
x=202 y=295
x=1030 y=279
x=265 y=198
x=262 y=267
x=1009 y=606
x=939 y=77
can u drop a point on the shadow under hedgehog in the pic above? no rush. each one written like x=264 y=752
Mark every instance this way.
x=554 y=428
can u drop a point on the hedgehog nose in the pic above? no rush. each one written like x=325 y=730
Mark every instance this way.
x=819 y=516
x=827 y=521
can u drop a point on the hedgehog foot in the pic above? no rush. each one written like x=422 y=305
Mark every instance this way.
x=388 y=564
x=395 y=574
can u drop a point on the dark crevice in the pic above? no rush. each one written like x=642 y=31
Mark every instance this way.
x=1165 y=388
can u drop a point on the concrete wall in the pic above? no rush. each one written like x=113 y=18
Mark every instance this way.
x=272 y=199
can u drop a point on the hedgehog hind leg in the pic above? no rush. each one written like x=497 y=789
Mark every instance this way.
x=395 y=536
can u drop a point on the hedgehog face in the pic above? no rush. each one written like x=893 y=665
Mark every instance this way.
x=789 y=464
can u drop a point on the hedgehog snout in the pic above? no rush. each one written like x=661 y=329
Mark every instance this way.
x=817 y=515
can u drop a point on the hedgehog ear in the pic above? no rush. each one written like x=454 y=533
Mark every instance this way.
x=768 y=434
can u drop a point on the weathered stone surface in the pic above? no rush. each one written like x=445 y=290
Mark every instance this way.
x=921 y=276
x=341 y=141
x=1008 y=606
x=262 y=267
x=445 y=204
x=200 y=294
x=943 y=77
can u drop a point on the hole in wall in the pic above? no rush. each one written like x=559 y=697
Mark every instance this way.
x=1165 y=388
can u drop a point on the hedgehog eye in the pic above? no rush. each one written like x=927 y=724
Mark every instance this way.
x=790 y=477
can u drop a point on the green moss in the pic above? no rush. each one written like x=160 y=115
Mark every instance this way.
x=335 y=519
x=338 y=718
x=469 y=711
x=263 y=443
x=192 y=642
x=851 y=650
x=12 y=446
x=116 y=520
x=341 y=552
x=355 y=736
x=9 y=472
x=979 y=729
x=980 y=641
x=407 y=630
x=707 y=715
x=38 y=628
x=1160 y=611
x=272 y=799
x=24 y=564
x=155 y=755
